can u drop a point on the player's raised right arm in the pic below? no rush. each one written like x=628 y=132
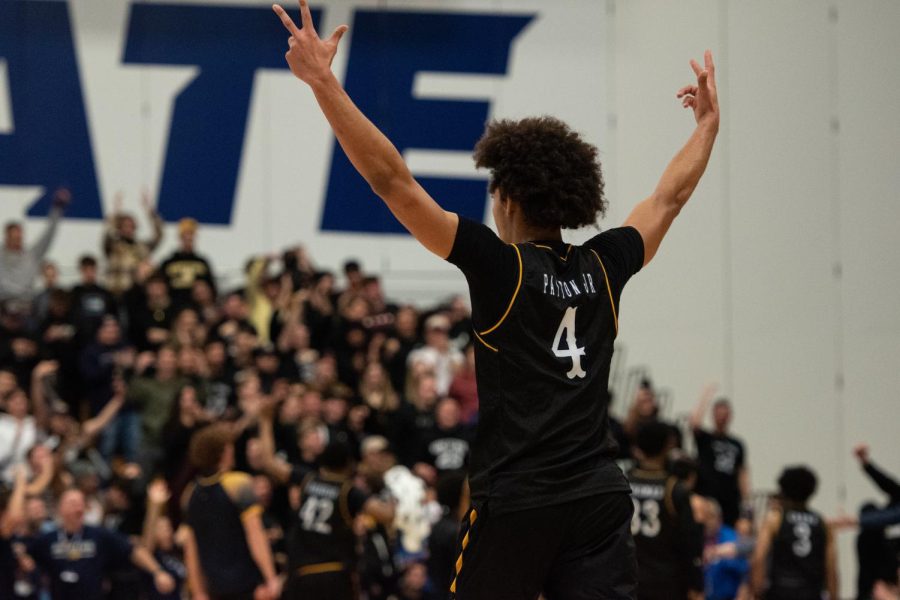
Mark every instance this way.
x=373 y=155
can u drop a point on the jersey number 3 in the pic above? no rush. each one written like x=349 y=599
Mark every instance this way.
x=572 y=351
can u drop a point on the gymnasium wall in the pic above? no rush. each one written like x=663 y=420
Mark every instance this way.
x=780 y=279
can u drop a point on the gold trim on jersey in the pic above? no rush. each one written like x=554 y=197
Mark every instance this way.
x=329 y=567
x=609 y=291
x=345 y=503
x=251 y=511
x=515 y=294
x=669 y=495
x=562 y=258
x=480 y=339
x=473 y=514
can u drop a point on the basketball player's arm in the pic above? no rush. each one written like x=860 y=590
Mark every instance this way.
x=653 y=216
x=761 y=552
x=381 y=511
x=274 y=466
x=196 y=582
x=240 y=490
x=261 y=550
x=831 y=569
x=371 y=153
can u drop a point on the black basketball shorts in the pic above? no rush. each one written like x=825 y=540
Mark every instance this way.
x=579 y=550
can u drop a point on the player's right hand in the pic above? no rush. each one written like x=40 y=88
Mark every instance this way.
x=862 y=453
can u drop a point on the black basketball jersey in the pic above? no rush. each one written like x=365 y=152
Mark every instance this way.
x=797 y=559
x=655 y=528
x=214 y=513
x=543 y=367
x=323 y=525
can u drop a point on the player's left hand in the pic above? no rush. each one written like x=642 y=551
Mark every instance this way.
x=62 y=197
x=702 y=98
x=308 y=55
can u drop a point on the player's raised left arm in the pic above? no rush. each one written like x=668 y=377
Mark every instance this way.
x=373 y=155
x=653 y=216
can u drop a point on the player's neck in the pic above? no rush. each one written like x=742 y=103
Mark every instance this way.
x=71 y=528
x=653 y=464
x=333 y=475
x=522 y=232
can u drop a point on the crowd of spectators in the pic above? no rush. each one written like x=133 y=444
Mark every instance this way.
x=104 y=384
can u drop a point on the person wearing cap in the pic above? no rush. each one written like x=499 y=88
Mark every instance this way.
x=438 y=353
x=184 y=266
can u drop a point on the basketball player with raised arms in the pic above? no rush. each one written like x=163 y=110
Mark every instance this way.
x=551 y=511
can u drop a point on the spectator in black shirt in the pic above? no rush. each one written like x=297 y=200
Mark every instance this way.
x=543 y=440
x=58 y=341
x=415 y=418
x=184 y=266
x=723 y=473
x=877 y=555
x=446 y=446
x=158 y=537
x=103 y=364
x=90 y=301
x=150 y=314
x=399 y=344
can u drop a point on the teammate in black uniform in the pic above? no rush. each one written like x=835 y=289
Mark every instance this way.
x=227 y=553
x=551 y=510
x=795 y=556
x=669 y=542
x=322 y=545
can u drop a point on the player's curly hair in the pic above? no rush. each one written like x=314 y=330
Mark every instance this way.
x=797 y=484
x=544 y=166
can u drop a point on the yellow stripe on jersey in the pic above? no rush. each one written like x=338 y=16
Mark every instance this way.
x=515 y=294
x=473 y=514
x=479 y=338
x=562 y=258
x=250 y=511
x=609 y=291
x=329 y=567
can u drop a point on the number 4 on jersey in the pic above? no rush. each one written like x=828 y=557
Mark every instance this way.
x=573 y=351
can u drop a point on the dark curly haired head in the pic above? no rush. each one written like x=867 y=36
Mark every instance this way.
x=546 y=168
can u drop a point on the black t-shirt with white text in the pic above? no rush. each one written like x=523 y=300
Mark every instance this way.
x=545 y=316
x=720 y=459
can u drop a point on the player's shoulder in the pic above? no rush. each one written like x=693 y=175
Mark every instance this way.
x=238 y=485
x=625 y=235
